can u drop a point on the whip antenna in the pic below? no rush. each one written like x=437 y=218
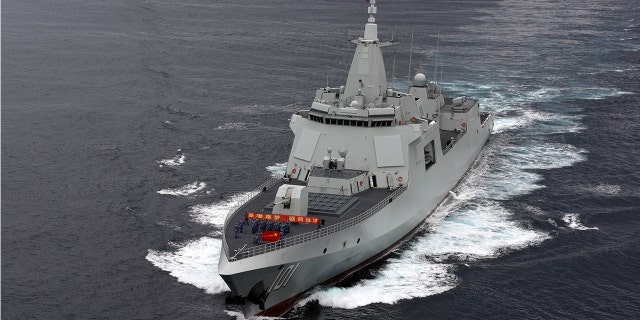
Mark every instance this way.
x=393 y=68
x=435 y=65
x=410 y=54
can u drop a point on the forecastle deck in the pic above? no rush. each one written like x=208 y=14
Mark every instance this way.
x=360 y=207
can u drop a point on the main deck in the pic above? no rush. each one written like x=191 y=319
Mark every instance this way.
x=332 y=210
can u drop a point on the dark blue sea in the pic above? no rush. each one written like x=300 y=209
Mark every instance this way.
x=130 y=127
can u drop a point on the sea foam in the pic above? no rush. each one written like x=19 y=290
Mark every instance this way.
x=194 y=262
x=214 y=214
x=572 y=221
x=186 y=190
x=179 y=159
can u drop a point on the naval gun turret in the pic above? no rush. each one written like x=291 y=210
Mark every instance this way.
x=291 y=199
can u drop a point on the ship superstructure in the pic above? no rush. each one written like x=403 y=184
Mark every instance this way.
x=368 y=165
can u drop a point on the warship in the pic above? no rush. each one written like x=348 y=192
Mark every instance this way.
x=369 y=164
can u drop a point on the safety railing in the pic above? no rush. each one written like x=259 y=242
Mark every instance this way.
x=308 y=236
x=487 y=116
x=457 y=138
x=243 y=201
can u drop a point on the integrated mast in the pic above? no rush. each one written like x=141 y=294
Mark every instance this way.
x=367 y=80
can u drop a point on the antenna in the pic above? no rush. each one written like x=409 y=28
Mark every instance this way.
x=410 y=54
x=422 y=64
x=435 y=65
x=393 y=68
x=435 y=70
x=372 y=11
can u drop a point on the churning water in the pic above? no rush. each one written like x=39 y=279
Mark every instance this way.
x=130 y=128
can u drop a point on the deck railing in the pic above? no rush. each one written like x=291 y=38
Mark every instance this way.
x=308 y=236
x=487 y=116
x=457 y=139
x=243 y=201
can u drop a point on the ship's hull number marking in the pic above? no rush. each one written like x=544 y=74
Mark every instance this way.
x=283 y=277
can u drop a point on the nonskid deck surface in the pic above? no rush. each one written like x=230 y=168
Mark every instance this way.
x=354 y=206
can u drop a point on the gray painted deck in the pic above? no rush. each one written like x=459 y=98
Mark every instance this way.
x=262 y=202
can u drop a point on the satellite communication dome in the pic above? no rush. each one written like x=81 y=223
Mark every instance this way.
x=420 y=80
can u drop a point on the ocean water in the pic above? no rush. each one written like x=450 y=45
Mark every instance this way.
x=130 y=128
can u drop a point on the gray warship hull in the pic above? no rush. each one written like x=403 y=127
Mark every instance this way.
x=399 y=156
x=307 y=264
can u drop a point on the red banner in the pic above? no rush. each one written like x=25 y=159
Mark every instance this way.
x=282 y=217
x=270 y=236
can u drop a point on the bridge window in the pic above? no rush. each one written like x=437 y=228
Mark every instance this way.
x=349 y=122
